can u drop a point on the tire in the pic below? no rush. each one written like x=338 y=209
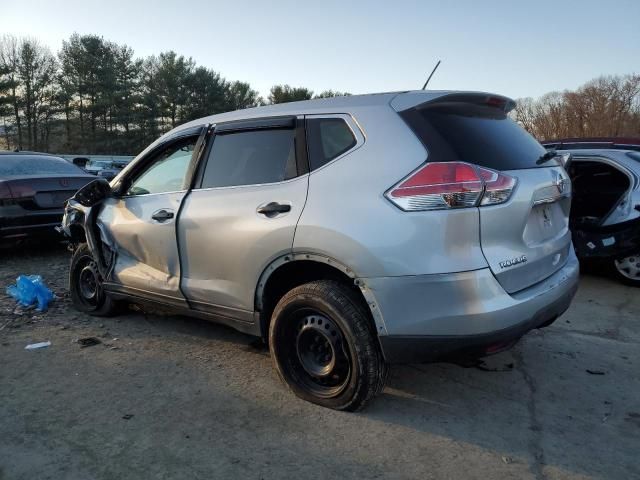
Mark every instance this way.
x=324 y=346
x=627 y=269
x=85 y=285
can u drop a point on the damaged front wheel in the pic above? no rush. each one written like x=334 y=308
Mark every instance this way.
x=85 y=285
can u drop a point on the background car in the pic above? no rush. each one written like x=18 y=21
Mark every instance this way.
x=33 y=189
x=605 y=213
x=114 y=169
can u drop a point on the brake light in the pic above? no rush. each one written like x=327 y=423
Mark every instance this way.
x=22 y=191
x=445 y=185
x=5 y=192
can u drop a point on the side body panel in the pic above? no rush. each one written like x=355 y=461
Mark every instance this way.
x=225 y=245
x=348 y=218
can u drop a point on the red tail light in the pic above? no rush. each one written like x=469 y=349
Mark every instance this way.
x=5 y=192
x=444 y=185
x=22 y=191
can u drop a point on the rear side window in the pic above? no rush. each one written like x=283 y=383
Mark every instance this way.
x=327 y=138
x=19 y=165
x=477 y=134
x=250 y=158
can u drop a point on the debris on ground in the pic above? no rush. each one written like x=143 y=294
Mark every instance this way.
x=128 y=416
x=34 y=346
x=595 y=372
x=481 y=365
x=507 y=460
x=30 y=290
x=88 y=342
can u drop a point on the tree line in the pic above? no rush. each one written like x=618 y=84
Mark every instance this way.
x=608 y=106
x=95 y=96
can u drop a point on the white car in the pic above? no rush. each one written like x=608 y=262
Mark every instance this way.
x=605 y=213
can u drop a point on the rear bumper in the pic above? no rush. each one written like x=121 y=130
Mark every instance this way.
x=441 y=317
x=15 y=225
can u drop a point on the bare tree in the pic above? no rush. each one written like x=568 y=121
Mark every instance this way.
x=603 y=107
x=9 y=61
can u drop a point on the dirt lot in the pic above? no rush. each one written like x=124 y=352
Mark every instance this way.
x=172 y=397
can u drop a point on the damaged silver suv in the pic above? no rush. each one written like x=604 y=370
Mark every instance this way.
x=349 y=233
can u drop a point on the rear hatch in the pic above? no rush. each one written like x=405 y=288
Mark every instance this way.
x=40 y=181
x=525 y=239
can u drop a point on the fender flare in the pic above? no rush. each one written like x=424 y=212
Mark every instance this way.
x=367 y=293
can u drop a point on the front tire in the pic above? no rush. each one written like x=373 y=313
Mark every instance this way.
x=85 y=285
x=628 y=270
x=324 y=347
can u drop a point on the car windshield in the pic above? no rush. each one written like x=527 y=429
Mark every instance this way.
x=21 y=165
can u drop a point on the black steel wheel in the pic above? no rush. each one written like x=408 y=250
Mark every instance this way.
x=324 y=347
x=85 y=285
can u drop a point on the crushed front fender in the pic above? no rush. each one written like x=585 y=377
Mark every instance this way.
x=80 y=224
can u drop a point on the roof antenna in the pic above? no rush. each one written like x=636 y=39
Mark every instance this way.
x=432 y=72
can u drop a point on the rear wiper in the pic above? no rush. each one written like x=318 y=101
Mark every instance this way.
x=545 y=157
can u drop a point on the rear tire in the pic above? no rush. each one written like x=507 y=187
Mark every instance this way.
x=324 y=347
x=627 y=269
x=85 y=285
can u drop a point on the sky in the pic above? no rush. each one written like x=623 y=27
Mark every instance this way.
x=515 y=48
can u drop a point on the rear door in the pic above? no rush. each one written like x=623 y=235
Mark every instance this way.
x=242 y=214
x=141 y=222
x=526 y=239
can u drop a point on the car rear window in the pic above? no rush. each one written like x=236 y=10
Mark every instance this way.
x=328 y=138
x=478 y=134
x=20 y=165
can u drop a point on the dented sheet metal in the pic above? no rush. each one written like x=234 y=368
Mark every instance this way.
x=79 y=224
x=132 y=245
x=147 y=253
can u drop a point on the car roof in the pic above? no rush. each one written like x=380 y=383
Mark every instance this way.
x=598 y=151
x=341 y=104
x=594 y=143
x=27 y=155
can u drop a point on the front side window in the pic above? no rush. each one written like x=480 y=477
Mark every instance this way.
x=167 y=172
x=328 y=138
x=251 y=158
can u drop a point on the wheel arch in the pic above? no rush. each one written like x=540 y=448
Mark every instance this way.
x=291 y=270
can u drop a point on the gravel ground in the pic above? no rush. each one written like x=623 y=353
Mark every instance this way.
x=171 y=397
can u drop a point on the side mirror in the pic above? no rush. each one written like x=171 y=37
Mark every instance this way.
x=93 y=192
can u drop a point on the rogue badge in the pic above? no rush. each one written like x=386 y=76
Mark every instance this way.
x=513 y=261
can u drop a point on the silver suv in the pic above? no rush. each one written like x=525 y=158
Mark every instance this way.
x=349 y=233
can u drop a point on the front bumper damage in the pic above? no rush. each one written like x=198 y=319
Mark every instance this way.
x=80 y=224
x=613 y=241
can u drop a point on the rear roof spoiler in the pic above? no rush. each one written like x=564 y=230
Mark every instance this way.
x=419 y=98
